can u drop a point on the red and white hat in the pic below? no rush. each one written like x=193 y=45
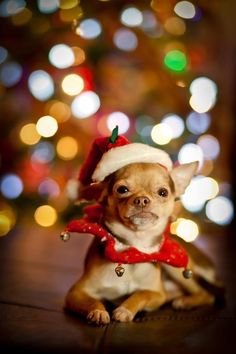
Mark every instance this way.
x=108 y=155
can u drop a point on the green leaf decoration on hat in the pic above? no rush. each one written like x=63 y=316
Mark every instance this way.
x=114 y=135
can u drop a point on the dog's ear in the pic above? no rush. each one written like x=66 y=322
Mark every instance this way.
x=182 y=175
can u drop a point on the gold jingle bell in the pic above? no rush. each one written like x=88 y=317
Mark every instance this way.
x=65 y=236
x=187 y=273
x=119 y=270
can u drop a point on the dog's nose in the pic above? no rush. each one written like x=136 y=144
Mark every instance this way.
x=141 y=201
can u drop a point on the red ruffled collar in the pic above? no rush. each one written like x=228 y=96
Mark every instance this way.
x=170 y=252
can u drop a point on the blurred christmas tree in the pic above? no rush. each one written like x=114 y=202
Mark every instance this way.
x=72 y=70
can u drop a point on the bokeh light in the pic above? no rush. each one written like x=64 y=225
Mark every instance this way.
x=89 y=28
x=175 y=123
x=209 y=145
x=3 y=54
x=125 y=39
x=142 y=121
x=174 y=25
x=48 y=6
x=10 y=73
x=7 y=218
x=72 y=84
x=47 y=126
x=185 y=228
x=203 y=86
x=41 y=85
x=190 y=152
x=11 y=7
x=150 y=25
x=185 y=9
x=198 y=192
x=204 y=94
x=43 y=152
x=60 y=111
x=29 y=134
x=131 y=17
x=79 y=55
x=45 y=215
x=68 y=4
x=198 y=123
x=11 y=186
x=22 y=17
x=220 y=210
x=48 y=188
x=120 y=119
x=175 y=60
x=161 y=134
x=61 y=56
x=85 y=105
x=67 y=148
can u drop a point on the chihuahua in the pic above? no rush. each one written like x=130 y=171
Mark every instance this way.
x=139 y=201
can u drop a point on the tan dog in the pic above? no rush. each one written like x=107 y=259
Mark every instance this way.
x=139 y=200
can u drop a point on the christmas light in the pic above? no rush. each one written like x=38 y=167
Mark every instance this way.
x=161 y=134
x=3 y=54
x=175 y=26
x=125 y=39
x=72 y=84
x=68 y=4
x=198 y=192
x=89 y=28
x=47 y=126
x=49 y=188
x=22 y=18
x=85 y=105
x=10 y=73
x=187 y=230
x=45 y=215
x=209 y=145
x=198 y=123
x=11 y=186
x=41 y=85
x=61 y=56
x=175 y=123
x=131 y=17
x=79 y=55
x=67 y=148
x=29 y=134
x=11 y=7
x=43 y=152
x=120 y=119
x=220 y=210
x=60 y=111
x=175 y=60
x=190 y=152
x=185 y=9
x=48 y=6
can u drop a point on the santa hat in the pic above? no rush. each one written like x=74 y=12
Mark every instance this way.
x=109 y=154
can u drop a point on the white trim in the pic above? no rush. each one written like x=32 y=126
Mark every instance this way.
x=121 y=156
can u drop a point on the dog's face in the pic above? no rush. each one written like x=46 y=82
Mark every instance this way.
x=142 y=195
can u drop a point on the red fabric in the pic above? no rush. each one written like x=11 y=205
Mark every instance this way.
x=99 y=147
x=170 y=252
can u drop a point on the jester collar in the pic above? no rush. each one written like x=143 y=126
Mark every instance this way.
x=170 y=251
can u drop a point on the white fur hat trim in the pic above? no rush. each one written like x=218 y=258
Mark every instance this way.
x=121 y=156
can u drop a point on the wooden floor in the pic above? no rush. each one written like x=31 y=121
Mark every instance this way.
x=37 y=269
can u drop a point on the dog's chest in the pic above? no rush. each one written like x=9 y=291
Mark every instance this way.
x=107 y=285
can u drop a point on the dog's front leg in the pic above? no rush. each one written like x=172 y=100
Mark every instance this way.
x=80 y=302
x=140 y=300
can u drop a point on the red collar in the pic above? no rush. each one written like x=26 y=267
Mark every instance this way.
x=170 y=251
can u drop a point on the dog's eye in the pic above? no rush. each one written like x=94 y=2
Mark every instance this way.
x=122 y=190
x=163 y=192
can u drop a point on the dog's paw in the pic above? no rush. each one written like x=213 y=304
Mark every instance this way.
x=98 y=317
x=182 y=303
x=122 y=314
